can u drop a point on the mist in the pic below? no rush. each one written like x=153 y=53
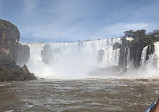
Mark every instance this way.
x=87 y=59
x=71 y=60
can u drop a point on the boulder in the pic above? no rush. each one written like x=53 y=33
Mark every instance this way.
x=9 y=71
x=10 y=50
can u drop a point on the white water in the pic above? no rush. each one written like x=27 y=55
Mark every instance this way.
x=154 y=58
x=128 y=58
x=143 y=56
x=149 y=69
x=74 y=60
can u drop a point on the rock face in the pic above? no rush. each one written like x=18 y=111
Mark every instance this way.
x=22 y=54
x=9 y=37
x=139 y=40
x=46 y=54
x=9 y=71
x=9 y=47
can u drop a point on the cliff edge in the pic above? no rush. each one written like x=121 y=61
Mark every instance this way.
x=9 y=46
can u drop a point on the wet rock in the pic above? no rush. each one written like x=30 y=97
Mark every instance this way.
x=139 y=39
x=9 y=47
x=46 y=54
x=23 y=54
x=9 y=71
x=9 y=37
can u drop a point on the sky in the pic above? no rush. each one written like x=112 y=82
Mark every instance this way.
x=73 y=20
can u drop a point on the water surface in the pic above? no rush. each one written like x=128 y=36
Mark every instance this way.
x=89 y=95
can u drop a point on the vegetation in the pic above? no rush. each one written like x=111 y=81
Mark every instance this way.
x=140 y=40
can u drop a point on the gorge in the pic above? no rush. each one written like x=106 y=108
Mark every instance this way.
x=135 y=55
x=78 y=76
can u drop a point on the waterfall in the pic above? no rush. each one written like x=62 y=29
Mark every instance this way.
x=149 y=68
x=78 y=59
x=72 y=60
x=156 y=54
x=153 y=58
x=143 y=55
x=128 y=57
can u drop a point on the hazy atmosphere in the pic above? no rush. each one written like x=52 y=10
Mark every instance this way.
x=72 y=20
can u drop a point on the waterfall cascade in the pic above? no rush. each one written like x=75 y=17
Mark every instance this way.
x=128 y=57
x=143 y=56
x=153 y=58
x=78 y=59
x=156 y=54
x=72 y=60
x=149 y=67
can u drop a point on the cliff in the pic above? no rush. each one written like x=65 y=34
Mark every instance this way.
x=9 y=47
x=23 y=54
x=9 y=37
x=135 y=41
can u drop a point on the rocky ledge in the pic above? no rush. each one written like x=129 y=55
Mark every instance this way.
x=9 y=46
x=9 y=71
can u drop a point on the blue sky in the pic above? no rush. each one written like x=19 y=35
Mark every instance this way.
x=72 y=20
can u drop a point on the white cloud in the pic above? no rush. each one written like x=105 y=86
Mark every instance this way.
x=116 y=30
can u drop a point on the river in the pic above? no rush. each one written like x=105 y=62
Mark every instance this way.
x=87 y=95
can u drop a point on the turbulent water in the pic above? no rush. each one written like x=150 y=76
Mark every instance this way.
x=89 y=95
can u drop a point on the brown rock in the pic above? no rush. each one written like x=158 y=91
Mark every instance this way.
x=23 y=54
x=9 y=71
x=10 y=50
x=9 y=37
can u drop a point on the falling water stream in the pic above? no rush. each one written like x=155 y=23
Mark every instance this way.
x=72 y=60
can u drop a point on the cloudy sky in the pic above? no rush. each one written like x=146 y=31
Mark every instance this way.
x=72 y=20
